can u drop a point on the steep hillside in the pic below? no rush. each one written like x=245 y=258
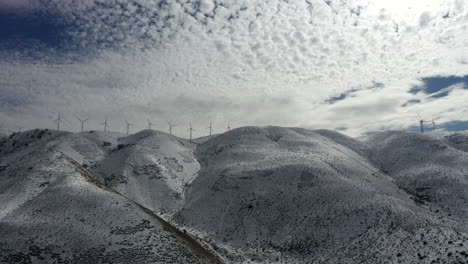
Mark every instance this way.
x=53 y=210
x=277 y=194
x=457 y=140
x=251 y=195
x=434 y=171
x=204 y=139
x=150 y=167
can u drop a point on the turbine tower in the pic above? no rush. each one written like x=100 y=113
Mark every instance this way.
x=433 y=123
x=128 y=126
x=82 y=122
x=191 y=130
x=59 y=118
x=421 y=123
x=171 y=126
x=211 y=128
x=228 y=127
x=105 y=125
x=149 y=124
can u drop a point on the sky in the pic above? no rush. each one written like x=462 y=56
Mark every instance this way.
x=355 y=66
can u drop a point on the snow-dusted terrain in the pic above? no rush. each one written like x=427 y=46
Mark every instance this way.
x=250 y=195
x=54 y=210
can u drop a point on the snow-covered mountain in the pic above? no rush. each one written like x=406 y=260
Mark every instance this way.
x=150 y=167
x=434 y=171
x=298 y=195
x=250 y=195
x=54 y=210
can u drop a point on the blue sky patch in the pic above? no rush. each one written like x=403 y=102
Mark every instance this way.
x=17 y=29
x=375 y=85
x=435 y=84
x=456 y=125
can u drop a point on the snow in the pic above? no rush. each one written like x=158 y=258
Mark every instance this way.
x=433 y=170
x=279 y=194
x=152 y=168
x=54 y=210
x=250 y=195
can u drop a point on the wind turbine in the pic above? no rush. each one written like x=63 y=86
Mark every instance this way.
x=171 y=126
x=149 y=124
x=128 y=126
x=59 y=118
x=421 y=123
x=105 y=125
x=82 y=122
x=433 y=123
x=210 y=127
x=191 y=130
x=228 y=127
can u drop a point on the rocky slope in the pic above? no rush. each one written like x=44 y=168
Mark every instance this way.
x=433 y=171
x=279 y=194
x=53 y=210
x=250 y=195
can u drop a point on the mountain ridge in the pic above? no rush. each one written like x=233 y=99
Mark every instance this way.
x=252 y=194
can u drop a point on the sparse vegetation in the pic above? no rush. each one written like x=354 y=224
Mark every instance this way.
x=295 y=201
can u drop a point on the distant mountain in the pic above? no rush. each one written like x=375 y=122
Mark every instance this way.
x=434 y=172
x=250 y=195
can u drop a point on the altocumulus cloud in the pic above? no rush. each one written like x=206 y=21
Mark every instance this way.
x=244 y=62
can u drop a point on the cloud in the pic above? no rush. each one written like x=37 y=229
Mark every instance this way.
x=424 y=19
x=299 y=63
x=15 y=5
x=206 y=6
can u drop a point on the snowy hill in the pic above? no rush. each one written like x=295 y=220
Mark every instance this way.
x=53 y=210
x=296 y=195
x=204 y=139
x=434 y=171
x=150 y=167
x=250 y=195
x=458 y=141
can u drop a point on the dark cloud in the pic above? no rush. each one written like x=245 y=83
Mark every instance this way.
x=87 y=27
x=410 y=102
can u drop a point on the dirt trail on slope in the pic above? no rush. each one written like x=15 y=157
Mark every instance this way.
x=203 y=254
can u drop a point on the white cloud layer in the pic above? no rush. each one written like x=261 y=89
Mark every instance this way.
x=245 y=62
